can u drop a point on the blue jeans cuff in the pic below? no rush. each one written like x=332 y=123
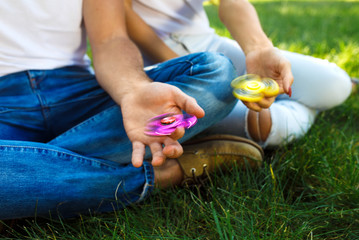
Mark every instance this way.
x=150 y=180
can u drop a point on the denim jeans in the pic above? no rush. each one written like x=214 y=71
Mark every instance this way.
x=63 y=147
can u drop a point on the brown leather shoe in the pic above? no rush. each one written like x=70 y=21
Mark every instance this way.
x=205 y=155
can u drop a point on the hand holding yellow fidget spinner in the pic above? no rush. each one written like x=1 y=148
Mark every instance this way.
x=253 y=88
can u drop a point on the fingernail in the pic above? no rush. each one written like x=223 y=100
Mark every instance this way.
x=290 y=92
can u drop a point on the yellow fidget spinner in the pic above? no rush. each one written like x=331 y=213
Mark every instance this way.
x=252 y=88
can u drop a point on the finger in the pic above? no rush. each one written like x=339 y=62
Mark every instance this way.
x=172 y=148
x=266 y=102
x=253 y=106
x=138 y=152
x=188 y=104
x=287 y=77
x=158 y=158
x=178 y=133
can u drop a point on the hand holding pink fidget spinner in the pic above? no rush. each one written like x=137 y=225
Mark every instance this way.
x=166 y=124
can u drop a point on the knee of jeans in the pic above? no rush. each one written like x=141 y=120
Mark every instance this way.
x=290 y=121
x=338 y=88
x=220 y=62
x=220 y=72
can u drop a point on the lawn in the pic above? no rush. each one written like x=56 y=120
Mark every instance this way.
x=306 y=190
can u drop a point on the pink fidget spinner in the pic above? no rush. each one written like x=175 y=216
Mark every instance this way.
x=165 y=124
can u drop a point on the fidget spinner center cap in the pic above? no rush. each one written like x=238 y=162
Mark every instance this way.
x=254 y=85
x=168 y=120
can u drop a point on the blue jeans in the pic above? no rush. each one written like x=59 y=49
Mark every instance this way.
x=63 y=148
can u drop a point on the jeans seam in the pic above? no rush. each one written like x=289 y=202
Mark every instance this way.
x=58 y=153
x=191 y=68
x=34 y=87
x=13 y=109
x=159 y=66
x=149 y=184
x=6 y=110
x=79 y=100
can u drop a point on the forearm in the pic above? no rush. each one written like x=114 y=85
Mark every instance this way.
x=241 y=19
x=117 y=61
x=145 y=38
x=119 y=68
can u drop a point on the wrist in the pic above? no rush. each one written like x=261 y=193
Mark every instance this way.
x=129 y=89
x=258 y=46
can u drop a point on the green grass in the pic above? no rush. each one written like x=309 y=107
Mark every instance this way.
x=306 y=190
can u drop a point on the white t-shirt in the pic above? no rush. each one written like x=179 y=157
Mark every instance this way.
x=41 y=34
x=174 y=16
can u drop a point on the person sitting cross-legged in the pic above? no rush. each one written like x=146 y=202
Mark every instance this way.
x=72 y=137
x=167 y=29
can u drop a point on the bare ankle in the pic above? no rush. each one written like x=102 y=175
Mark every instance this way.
x=169 y=174
x=259 y=124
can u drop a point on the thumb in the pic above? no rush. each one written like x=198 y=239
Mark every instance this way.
x=188 y=104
